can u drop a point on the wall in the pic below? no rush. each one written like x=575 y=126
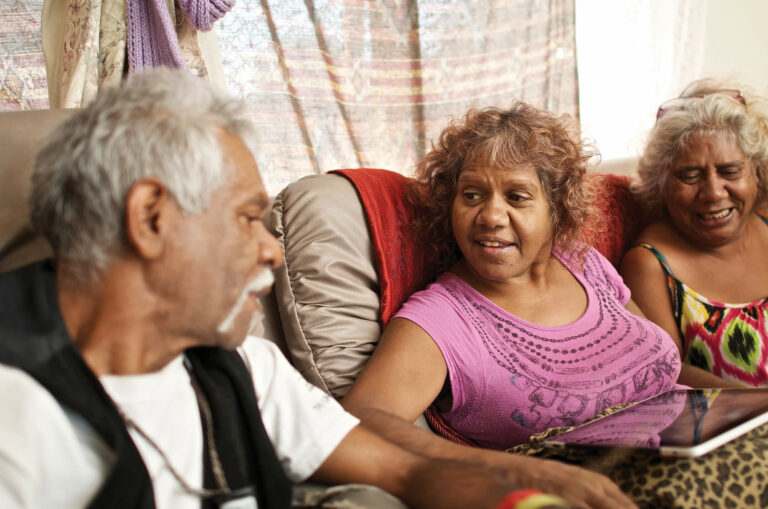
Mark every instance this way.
x=737 y=42
x=634 y=55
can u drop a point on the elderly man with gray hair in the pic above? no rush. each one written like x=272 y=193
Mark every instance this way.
x=126 y=375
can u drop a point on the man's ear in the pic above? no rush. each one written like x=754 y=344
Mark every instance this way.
x=149 y=212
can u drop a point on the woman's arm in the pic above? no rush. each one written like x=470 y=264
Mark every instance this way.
x=403 y=376
x=646 y=279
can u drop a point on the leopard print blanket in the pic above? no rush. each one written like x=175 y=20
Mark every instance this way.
x=734 y=475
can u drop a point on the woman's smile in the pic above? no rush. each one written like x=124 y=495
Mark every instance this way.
x=717 y=218
x=495 y=246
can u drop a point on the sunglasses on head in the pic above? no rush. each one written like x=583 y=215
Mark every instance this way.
x=678 y=103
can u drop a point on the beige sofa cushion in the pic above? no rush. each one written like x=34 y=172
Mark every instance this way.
x=327 y=292
x=21 y=134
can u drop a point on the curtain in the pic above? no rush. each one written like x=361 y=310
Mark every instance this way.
x=340 y=83
x=355 y=83
x=84 y=48
x=22 y=69
x=84 y=43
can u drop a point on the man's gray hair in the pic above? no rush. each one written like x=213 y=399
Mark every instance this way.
x=162 y=124
x=711 y=114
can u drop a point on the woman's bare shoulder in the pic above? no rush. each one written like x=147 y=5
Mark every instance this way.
x=658 y=234
x=640 y=265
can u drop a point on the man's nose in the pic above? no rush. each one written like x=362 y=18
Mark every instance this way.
x=270 y=252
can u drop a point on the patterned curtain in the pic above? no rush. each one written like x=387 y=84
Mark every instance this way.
x=349 y=83
x=22 y=69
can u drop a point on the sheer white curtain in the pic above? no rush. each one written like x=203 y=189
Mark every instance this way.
x=631 y=57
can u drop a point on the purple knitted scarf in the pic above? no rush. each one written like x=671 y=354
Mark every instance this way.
x=151 y=36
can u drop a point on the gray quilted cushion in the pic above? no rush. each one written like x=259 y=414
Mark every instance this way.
x=327 y=292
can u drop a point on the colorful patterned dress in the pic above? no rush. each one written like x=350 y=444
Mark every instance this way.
x=729 y=340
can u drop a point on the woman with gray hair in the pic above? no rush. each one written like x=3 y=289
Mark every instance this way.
x=700 y=269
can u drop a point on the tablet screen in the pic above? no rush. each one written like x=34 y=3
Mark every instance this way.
x=678 y=422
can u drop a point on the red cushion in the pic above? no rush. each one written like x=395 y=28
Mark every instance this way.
x=403 y=264
x=623 y=219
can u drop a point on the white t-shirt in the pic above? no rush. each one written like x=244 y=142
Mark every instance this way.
x=51 y=457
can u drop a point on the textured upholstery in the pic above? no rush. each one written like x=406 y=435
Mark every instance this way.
x=403 y=264
x=622 y=219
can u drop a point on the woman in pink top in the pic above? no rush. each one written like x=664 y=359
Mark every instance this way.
x=530 y=328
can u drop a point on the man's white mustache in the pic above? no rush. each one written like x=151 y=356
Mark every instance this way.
x=258 y=284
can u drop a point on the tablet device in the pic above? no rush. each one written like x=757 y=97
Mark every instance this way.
x=688 y=422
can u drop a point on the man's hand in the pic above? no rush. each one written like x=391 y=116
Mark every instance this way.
x=579 y=486
x=364 y=457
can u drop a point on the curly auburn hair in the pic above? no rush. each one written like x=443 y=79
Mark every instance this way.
x=505 y=138
x=709 y=110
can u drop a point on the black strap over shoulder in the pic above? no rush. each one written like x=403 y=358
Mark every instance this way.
x=241 y=440
x=33 y=337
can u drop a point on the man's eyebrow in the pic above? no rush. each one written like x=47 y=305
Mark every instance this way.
x=261 y=200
